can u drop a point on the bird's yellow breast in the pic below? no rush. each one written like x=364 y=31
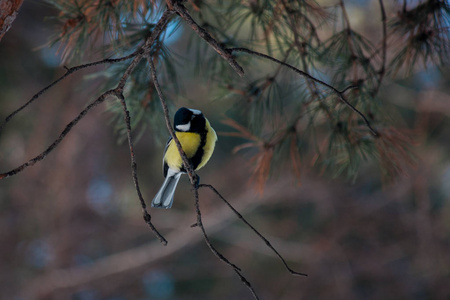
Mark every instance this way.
x=190 y=142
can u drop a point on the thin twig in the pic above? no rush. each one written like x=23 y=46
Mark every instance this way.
x=63 y=134
x=214 y=250
x=146 y=215
x=253 y=229
x=184 y=14
x=382 y=71
x=340 y=94
x=68 y=72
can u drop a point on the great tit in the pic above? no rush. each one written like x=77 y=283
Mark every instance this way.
x=197 y=138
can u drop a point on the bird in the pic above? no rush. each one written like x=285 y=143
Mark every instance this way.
x=198 y=140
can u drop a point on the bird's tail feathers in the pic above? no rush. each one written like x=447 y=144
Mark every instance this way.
x=164 y=197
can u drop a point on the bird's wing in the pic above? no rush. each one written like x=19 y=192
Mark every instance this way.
x=165 y=166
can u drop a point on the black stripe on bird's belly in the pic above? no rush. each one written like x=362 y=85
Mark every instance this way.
x=197 y=158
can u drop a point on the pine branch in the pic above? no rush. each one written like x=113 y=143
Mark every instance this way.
x=340 y=94
x=184 y=14
x=118 y=92
x=138 y=55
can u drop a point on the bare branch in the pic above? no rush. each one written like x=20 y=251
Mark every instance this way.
x=147 y=216
x=63 y=134
x=69 y=71
x=135 y=258
x=138 y=55
x=214 y=250
x=253 y=229
x=382 y=71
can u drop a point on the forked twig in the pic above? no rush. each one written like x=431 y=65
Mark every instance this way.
x=193 y=179
x=253 y=229
x=340 y=94
x=214 y=250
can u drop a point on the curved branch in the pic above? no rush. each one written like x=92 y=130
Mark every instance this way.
x=138 y=55
x=340 y=94
x=253 y=229
x=184 y=14
x=69 y=71
x=219 y=255
x=63 y=134
x=146 y=215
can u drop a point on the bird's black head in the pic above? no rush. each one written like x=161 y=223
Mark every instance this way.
x=189 y=120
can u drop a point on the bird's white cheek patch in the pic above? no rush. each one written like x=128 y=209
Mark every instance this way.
x=184 y=127
x=195 y=111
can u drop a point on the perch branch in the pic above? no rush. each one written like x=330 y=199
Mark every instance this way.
x=193 y=179
x=187 y=165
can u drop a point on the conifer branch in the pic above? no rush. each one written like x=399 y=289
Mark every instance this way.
x=118 y=92
x=184 y=14
x=340 y=94
x=138 y=55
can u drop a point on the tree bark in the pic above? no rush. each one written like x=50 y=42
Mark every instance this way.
x=8 y=12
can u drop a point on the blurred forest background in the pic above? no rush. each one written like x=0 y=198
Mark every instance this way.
x=72 y=228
